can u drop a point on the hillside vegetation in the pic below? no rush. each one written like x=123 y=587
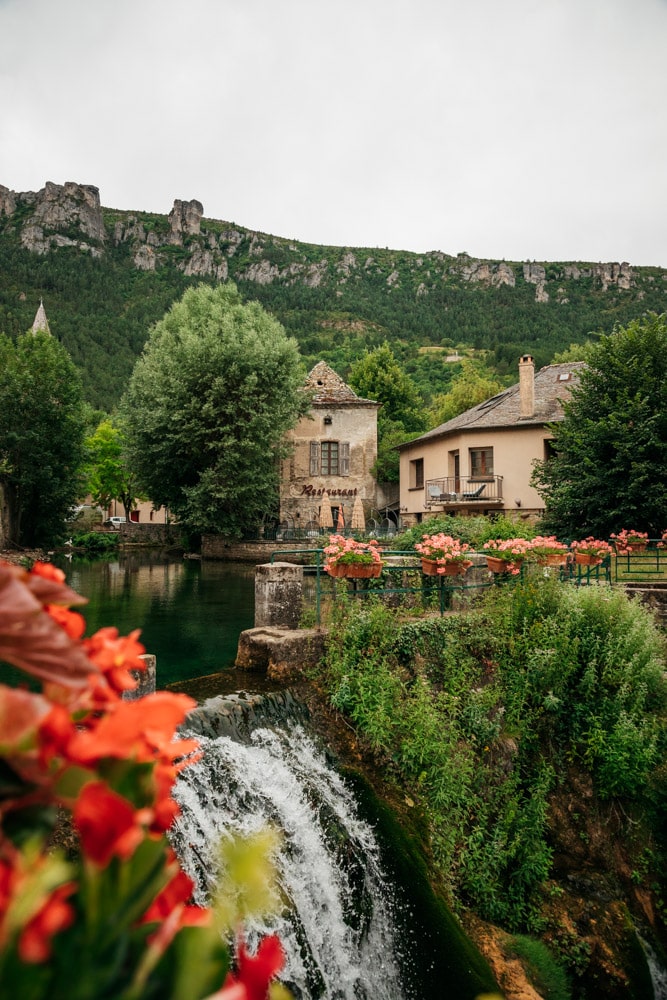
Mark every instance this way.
x=106 y=276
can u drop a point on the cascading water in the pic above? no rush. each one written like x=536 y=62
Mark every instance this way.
x=338 y=924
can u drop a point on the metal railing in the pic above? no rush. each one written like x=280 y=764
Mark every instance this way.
x=642 y=564
x=452 y=491
x=402 y=575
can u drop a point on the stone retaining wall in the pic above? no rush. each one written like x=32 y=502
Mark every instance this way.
x=150 y=534
x=231 y=550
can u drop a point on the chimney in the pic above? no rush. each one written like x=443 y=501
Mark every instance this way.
x=527 y=386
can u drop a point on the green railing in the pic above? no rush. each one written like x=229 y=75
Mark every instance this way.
x=402 y=575
x=642 y=565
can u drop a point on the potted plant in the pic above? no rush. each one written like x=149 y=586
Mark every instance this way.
x=443 y=555
x=505 y=555
x=548 y=551
x=347 y=557
x=628 y=541
x=590 y=551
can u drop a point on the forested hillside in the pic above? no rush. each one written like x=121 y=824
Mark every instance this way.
x=106 y=276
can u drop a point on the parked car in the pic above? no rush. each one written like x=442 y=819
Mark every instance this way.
x=115 y=522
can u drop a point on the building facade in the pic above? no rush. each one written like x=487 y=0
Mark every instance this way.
x=482 y=460
x=332 y=450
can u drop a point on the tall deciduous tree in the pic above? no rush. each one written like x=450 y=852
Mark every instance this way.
x=207 y=407
x=610 y=465
x=108 y=475
x=379 y=376
x=41 y=438
x=472 y=385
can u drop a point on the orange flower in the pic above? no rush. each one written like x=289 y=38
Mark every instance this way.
x=115 y=656
x=141 y=730
x=48 y=571
x=72 y=622
x=107 y=823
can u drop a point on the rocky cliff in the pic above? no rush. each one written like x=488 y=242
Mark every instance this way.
x=107 y=275
x=71 y=215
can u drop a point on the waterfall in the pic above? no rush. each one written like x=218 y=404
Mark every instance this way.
x=262 y=767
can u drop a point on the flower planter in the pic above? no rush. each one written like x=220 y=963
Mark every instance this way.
x=587 y=559
x=355 y=571
x=430 y=567
x=553 y=559
x=501 y=565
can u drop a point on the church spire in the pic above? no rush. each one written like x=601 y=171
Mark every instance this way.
x=40 y=323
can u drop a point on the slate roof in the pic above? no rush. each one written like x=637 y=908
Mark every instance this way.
x=553 y=384
x=328 y=388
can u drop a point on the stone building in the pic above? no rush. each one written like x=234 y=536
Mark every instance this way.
x=334 y=448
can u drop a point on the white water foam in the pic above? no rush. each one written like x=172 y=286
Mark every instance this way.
x=337 y=927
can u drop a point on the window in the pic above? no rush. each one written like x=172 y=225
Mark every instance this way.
x=416 y=473
x=329 y=458
x=329 y=453
x=481 y=462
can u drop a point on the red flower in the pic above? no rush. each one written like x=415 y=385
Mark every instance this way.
x=256 y=972
x=55 y=915
x=107 y=823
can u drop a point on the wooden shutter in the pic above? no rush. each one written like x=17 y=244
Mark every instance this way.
x=345 y=458
x=314 y=458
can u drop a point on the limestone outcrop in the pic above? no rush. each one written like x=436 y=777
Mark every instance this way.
x=70 y=215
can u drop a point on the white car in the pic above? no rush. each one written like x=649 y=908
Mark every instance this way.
x=115 y=522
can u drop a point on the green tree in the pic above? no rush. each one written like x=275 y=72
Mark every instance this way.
x=609 y=470
x=472 y=385
x=575 y=352
x=207 y=408
x=41 y=438
x=107 y=472
x=379 y=376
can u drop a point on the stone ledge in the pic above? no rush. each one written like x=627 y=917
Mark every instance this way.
x=280 y=653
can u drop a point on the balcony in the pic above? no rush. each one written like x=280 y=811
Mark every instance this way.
x=459 y=491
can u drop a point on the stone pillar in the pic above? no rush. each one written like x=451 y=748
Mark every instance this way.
x=145 y=677
x=278 y=594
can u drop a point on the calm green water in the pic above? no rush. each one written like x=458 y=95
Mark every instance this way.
x=190 y=612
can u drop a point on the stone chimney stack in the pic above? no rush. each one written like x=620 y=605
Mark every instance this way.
x=527 y=385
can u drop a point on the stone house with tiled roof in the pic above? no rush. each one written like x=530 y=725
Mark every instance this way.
x=481 y=461
x=334 y=448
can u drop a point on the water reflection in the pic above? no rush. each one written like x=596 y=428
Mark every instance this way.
x=190 y=613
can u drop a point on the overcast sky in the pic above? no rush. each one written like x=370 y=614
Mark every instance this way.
x=529 y=129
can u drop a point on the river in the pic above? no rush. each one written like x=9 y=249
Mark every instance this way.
x=190 y=612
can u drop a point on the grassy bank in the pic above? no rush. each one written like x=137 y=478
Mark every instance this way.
x=486 y=716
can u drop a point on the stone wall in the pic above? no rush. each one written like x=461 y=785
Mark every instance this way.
x=232 y=550
x=150 y=534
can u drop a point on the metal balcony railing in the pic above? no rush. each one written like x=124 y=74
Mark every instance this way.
x=455 y=491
